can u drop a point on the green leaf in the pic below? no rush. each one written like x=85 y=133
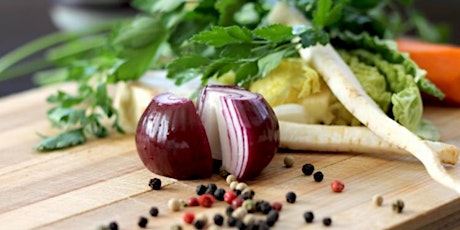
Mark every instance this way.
x=246 y=71
x=155 y=6
x=274 y=33
x=186 y=68
x=220 y=36
x=227 y=10
x=217 y=68
x=64 y=116
x=327 y=13
x=138 y=33
x=63 y=140
x=269 y=62
x=237 y=51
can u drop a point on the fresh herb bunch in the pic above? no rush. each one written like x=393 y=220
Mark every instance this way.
x=191 y=39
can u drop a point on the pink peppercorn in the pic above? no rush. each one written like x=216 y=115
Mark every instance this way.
x=206 y=200
x=229 y=196
x=188 y=217
x=277 y=206
x=337 y=186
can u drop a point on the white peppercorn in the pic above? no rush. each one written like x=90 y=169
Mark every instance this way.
x=239 y=213
x=288 y=161
x=233 y=185
x=377 y=200
x=174 y=204
x=230 y=178
x=249 y=219
x=241 y=186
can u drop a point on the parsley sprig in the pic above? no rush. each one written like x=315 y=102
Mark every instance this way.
x=205 y=38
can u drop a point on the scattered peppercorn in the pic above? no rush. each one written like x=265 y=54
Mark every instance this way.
x=211 y=188
x=277 y=206
x=113 y=225
x=233 y=185
x=239 y=213
x=188 y=217
x=231 y=221
x=308 y=216
x=265 y=207
x=175 y=227
x=202 y=217
x=192 y=202
x=218 y=219
x=288 y=161
x=223 y=173
x=272 y=217
x=155 y=184
x=199 y=224
x=237 y=202
x=290 y=197
x=398 y=206
x=318 y=176
x=249 y=205
x=153 y=211
x=308 y=169
x=230 y=178
x=219 y=194
x=241 y=186
x=377 y=200
x=337 y=186
x=229 y=196
x=240 y=225
x=174 y=204
x=327 y=221
x=142 y=222
x=200 y=189
x=206 y=200
x=263 y=225
x=229 y=210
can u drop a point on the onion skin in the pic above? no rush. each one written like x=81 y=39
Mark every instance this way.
x=171 y=140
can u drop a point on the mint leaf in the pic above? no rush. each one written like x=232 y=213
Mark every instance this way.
x=63 y=140
x=274 y=33
x=220 y=36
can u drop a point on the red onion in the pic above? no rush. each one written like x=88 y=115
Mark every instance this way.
x=232 y=125
x=171 y=139
x=241 y=127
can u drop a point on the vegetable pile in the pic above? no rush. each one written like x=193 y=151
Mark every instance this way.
x=321 y=64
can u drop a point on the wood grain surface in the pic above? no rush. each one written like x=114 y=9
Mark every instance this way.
x=88 y=186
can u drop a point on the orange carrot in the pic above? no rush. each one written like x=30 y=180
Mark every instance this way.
x=442 y=63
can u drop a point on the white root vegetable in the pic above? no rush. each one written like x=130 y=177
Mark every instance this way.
x=359 y=139
x=346 y=88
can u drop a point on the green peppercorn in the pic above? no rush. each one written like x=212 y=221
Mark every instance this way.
x=249 y=205
x=290 y=197
x=175 y=227
x=307 y=169
x=223 y=173
x=327 y=221
x=142 y=222
x=308 y=216
x=398 y=206
x=318 y=176
x=155 y=184
x=288 y=161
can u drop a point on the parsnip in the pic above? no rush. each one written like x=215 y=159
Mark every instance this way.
x=349 y=92
x=337 y=138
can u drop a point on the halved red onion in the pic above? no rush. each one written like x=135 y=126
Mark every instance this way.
x=242 y=128
x=171 y=140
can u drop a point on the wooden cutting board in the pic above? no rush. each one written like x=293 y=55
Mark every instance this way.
x=102 y=181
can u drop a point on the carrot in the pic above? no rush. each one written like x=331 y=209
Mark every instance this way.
x=442 y=63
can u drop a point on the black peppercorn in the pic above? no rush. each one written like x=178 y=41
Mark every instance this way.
x=291 y=197
x=142 y=222
x=218 y=219
x=308 y=169
x=272 y=217
x=229 y=210
x=398 y=206
x=113 y=225
x=308 y=216
x=155 y=184
x=211 y=188
x=318 y=176
x=219 y=194
x=231 y=221
x=199 y=224
x=153 y=211
x=240 y=225
x=265 y=207
x=327 y=221
x=200 y=189
x=263 y=225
